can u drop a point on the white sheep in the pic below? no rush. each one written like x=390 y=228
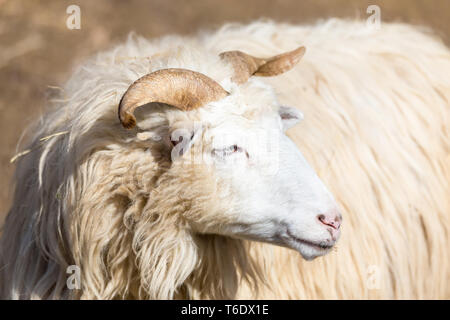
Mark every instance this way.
x=165 y=208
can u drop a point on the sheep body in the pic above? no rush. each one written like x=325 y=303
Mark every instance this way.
x=376 y=105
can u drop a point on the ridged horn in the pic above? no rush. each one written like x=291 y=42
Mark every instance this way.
x=245 y=65
x=181 y=88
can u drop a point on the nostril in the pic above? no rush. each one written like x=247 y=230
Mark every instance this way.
x=332 y=220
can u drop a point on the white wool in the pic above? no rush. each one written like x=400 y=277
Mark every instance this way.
x=377 y=109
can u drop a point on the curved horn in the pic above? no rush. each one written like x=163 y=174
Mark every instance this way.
x=181 y=88
x=245 y=65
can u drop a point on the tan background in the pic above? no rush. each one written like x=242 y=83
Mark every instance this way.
x=38 y=51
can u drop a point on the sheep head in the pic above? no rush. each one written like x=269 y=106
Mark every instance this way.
x=289 y=207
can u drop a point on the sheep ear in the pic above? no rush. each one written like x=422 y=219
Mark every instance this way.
x=289 y=116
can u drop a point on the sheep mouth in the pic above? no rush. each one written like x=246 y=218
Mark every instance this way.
x=316 y=245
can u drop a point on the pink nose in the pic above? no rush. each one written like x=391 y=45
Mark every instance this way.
x=332 y=219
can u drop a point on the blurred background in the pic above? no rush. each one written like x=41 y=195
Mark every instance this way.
x=38 y=51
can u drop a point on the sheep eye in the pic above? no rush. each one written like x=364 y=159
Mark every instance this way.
x=228 y=151
x=175 y=142
x=232 y=149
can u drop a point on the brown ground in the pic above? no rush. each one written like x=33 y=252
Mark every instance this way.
x=38 y=51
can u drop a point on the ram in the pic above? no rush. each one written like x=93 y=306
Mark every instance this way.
x=171 y=167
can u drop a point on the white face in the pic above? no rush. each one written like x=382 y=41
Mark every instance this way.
x=273 y=193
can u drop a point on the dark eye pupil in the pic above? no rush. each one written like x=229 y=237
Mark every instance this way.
x=175 y=142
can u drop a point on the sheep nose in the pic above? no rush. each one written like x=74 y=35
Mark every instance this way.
x=332 y=219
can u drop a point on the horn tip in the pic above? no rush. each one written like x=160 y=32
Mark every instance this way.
x=300 y=52
x=128 y=121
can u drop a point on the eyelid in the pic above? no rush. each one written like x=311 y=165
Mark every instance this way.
x=235 y=148
x=230 y=150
